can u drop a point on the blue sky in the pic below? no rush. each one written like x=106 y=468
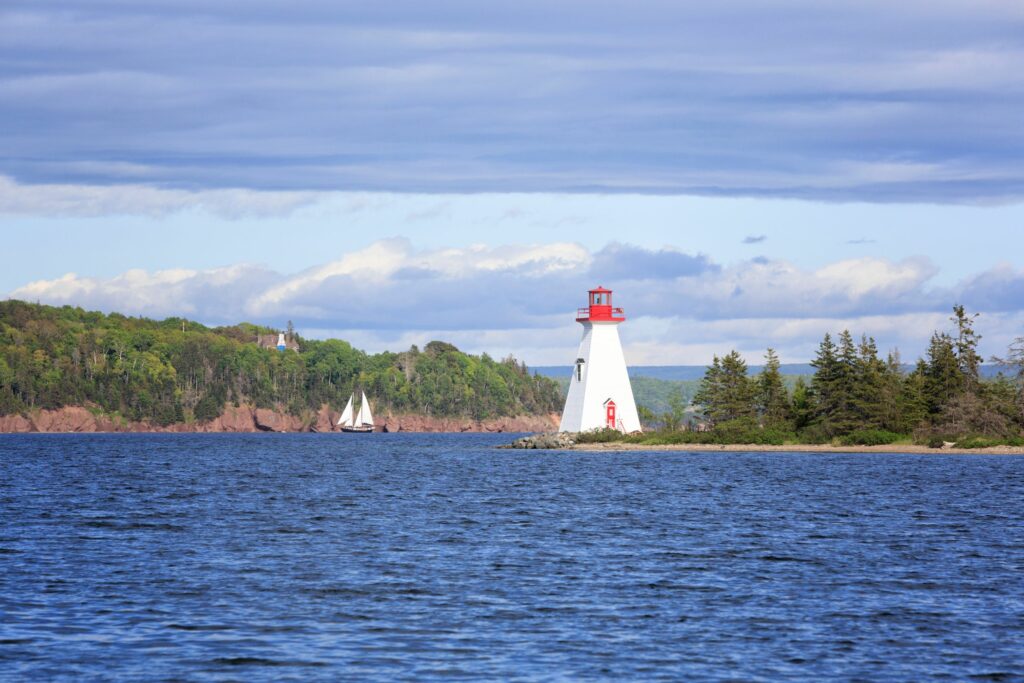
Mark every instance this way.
x=743 y=173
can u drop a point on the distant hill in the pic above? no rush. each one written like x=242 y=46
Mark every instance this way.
x=670 y=373
x=653 y=385
x=687 y=373
x=179 y=371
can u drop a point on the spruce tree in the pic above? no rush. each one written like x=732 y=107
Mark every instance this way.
x=1014 y=362
x=967 y=340
x=802 y=408
x=912 y=402
x=943 y=378
x=707 y=396
x=869 y=406
x=772 y=397
x=823 y=389
x=726 y=393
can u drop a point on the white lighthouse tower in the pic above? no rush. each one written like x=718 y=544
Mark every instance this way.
x=599 y=392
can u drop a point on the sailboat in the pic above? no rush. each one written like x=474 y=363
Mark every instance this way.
x=362 y=422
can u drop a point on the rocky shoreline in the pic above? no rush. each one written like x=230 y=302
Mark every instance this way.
x=249 y=419
x=567 y=441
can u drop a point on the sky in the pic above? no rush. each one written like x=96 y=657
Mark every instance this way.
x=743 y=174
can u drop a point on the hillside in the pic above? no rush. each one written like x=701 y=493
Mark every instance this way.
x=179 y=371
x=694 y=373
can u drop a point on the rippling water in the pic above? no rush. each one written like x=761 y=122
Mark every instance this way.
x=413 y=557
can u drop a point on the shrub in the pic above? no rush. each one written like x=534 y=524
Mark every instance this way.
x=936 y=442
x=815 y=434
x=728 y=433
x=208 y=408
x=870 y=437
x=988 y=442
x=606 y=435
x=669 y=438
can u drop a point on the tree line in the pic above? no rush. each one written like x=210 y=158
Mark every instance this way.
x=858 y=397
x=177 y=370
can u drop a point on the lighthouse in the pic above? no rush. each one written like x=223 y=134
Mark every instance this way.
x=599 y=391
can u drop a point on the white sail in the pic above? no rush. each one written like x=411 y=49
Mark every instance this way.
x=365 y=418
x=346 y=415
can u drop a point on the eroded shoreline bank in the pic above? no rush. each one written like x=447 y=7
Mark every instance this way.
x=250 y=419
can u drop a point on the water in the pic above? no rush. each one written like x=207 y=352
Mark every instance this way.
x=417 y=557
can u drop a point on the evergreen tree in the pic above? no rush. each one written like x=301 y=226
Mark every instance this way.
x=912 y=401
x=869 y=387
x=943 y=378
x=823 y=387
x=834 y=385
x=726 y=393
x=1014 y=362
x=802 y=409
x=710 y=390
x=772 y=398
x=967 y=340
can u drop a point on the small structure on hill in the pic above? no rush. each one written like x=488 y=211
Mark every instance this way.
x=281 y=341
x=600 y=394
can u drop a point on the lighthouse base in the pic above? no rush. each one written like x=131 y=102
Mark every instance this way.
x=600 y=395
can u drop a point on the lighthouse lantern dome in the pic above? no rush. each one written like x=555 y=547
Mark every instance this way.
x=600 y=308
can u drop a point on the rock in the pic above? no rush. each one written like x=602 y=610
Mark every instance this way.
x=245 y=418
x=272 y=421
x=68 y=419
x=326 y=420
x=547 y=441
x=233 y=419
x=425 y=423
x=12 y=424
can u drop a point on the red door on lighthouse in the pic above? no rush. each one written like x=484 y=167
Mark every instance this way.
x=610 y=413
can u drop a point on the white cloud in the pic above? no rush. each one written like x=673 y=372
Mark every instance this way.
x=521 y=298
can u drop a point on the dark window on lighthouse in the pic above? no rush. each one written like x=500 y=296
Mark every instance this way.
x=579 y=369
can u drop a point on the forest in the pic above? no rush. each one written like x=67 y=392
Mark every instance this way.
x=177 y=370
x=855 y=397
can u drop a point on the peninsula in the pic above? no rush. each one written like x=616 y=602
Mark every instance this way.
x=70 y=370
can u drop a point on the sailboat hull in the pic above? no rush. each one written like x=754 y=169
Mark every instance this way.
x=364 y=429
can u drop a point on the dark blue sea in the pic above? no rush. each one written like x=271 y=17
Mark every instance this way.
x=420 y=557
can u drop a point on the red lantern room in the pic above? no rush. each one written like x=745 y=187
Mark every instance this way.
x=600 y=310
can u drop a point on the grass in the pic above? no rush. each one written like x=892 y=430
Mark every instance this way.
x=989 y=442
x=772 y=437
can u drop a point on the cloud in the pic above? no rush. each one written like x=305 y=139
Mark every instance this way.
x=216 y=295
x=754 y=239
x=142 y=200
x=798 y=99
x=521 y=299
x=624 y=262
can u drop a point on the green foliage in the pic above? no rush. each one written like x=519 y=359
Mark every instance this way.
x=673 y=418
x=738 y=432
x=988 y=442
x=173 y=370
x=855 y=397
x=871 y=437
x=606 y=435
x=773 y=402
x=966 y=345
x=943 y=380
x=726 y=393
